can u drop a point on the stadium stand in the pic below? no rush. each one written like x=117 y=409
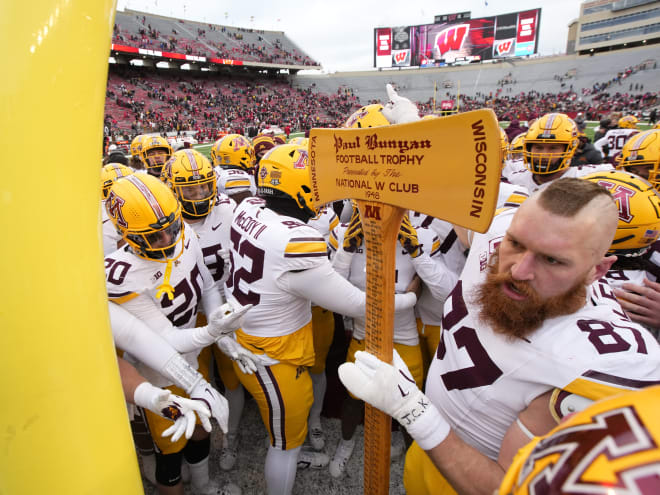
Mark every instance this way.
x=268 y=91
x=149 y=31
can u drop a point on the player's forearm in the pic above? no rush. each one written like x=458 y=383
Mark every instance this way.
x=326 y=288
x=468 y=471
x=435 y=275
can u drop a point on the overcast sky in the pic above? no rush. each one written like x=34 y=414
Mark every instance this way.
x=339 y=33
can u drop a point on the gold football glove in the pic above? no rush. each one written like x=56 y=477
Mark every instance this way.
x=353 y=236
x=408 y=238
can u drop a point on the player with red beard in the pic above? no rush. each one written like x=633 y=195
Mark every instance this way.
x=521 y=345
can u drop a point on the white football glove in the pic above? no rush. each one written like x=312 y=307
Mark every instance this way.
x=399 y=110
x=216 y=403
x=392 y=389
x=247 y=361
x=166 y=404
x=225 y=320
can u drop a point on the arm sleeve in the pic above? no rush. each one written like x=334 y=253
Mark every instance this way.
x=335 y=293
x=435 y=275
x=181 y=339
x=341 y=262
x=132 y=335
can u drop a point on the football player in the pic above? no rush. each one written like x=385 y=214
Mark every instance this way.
x=521 y=347
x=280 y=266
x=635 y=273
x=109 y=174
x=548 y=149
x=234 y=160
x=323 y=325
x=193 y=180
x=153 y=152
x=641 y=156
x=262 y=144
x=611 y=144
x=160 y=277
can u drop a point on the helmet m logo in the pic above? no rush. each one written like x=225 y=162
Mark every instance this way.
x=611 y=435
x=621 y=195
x=372 y=211
x=301 y=162
x=451 y=38
x=113 y=205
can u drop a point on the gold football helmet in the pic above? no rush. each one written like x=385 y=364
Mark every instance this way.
x=284 y=173
x=147 y=215
x=504 y=145
x=154 y=153
x=611 y=448
x=136 y=145
x=641 y=155
x=262 y=144
x=628 y=122
x=639 y=211
x=516 y=147
x=367 y=116
x=551 y=129
x=302 y=141
x=110 y=173
x=233 y=151
x=192 y=179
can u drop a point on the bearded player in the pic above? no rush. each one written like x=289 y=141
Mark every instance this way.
x=521 y=345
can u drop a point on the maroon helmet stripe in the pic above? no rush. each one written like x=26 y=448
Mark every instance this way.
x=148 y=195
x=196 y=167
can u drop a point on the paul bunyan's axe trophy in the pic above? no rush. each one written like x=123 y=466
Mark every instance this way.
x=448 y=168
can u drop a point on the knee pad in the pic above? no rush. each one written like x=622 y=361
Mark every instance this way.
x=168 y=468
x=197 y=450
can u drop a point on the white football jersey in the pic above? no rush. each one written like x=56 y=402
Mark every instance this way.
x=110 y=235
x=234 y=180
x=451 y=249
x=615 y=139
x=481 y=380
x=521 y=175
x=405 y=326
x=265 y=245
x=428 y=307
x=127 y=276
x=325 y=221
x=213 y=234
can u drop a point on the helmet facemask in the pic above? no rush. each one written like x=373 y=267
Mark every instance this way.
x=159 y=243
x=197 y=197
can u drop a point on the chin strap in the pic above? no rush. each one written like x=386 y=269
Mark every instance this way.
x=166 y=287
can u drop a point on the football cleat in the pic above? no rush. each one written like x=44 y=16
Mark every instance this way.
x=341 y=457
x=308 y=459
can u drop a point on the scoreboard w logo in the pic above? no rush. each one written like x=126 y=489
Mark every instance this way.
x=504 y=47
x=451 y=38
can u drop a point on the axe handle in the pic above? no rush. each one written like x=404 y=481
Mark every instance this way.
x=380 y=224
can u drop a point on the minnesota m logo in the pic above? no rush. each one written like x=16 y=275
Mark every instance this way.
x=372 y=211
x=113 y=206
